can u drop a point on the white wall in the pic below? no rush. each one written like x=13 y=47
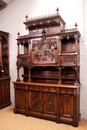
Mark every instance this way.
x=12 y=18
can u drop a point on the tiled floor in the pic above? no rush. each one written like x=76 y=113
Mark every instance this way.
x=11 y=121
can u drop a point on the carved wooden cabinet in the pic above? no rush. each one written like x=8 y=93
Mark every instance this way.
x=4 y=70
x=50 y=60
x=56 y=102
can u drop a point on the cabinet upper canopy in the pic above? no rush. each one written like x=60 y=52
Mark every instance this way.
x=53 y=20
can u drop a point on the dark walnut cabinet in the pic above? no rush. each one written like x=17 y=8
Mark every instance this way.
x=48 y=70
x=4 y=70
x=50 y=101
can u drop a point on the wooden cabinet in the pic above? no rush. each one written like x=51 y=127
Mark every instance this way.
x=4 y=70
x=56 y=102
x=48 y=74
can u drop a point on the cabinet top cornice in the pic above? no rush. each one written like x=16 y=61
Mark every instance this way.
x=44 y=21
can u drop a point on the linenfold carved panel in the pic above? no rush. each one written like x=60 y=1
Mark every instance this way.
x=45 y=51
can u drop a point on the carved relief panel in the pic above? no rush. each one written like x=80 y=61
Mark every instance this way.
x=21 y=96
x=50 y=103
x=45 y=51
x=34 y=100
x=66 y=105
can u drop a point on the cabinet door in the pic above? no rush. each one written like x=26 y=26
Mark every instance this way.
x=66 y=107
x=50 y=103
x=34 y=101
x=4 y=93
x=21 y=98
x=20 y=101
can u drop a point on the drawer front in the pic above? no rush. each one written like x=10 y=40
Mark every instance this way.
x=66 y=90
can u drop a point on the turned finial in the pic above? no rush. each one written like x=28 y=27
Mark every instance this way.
x=57 y=10
x=43 y=32
x=26 y=17
x=18 y=34
x=76 y=25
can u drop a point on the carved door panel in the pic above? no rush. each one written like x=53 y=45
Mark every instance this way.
x=34 y=101
x=4 y=93
x=66 y=105
x=20 y=98
x=50 y=105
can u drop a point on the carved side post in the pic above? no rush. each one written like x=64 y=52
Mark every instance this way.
x=1 y=64
x=29 y=47
x=18 y=43
x=59 y=44
x=29 y=60
x=76 y=80
x=29 y=77
x=59 y=60
x=76 y=39
x=15 y=107
x=0 y=50
x=18 y=79
x=26 y=89
x=75 y=122
x=58 y=106
x=76 y=69
x=76 y=43
x=59 y=72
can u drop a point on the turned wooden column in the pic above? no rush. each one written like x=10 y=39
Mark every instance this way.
x=76 y=80
x=76 y=43
x=59 y=44
x=29 y=74
x=18 y=78
x=18 y=43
